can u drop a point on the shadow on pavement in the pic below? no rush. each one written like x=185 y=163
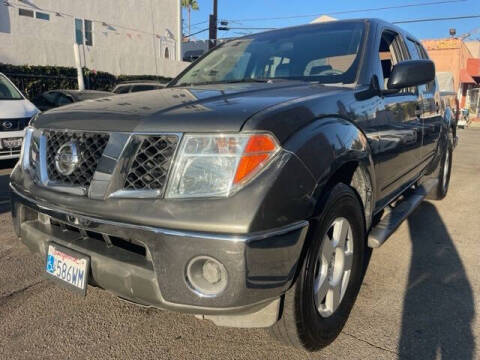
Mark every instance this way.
x=438 y=307
x=4 y=196
x=4 y=179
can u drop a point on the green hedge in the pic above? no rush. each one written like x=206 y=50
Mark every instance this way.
x=161 y=79
x=34 y=80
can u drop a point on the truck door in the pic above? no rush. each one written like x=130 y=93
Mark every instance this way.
x=398 y=125
x=432 y=113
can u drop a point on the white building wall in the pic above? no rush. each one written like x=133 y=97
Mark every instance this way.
x=129 y=36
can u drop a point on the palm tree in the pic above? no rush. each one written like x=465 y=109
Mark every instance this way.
x=190 y=5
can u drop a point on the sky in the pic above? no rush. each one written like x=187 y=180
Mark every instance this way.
x=238 y=12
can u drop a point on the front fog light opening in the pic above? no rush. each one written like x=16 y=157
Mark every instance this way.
x=206 y=276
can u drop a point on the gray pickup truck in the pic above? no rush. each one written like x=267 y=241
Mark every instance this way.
x=250 y=189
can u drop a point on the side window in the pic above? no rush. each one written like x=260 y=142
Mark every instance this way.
x=122 y=90
x=430 y=87
x=41 y=101
x=414 y=55
x=389 y=54
x=63 y=100
x=413 y=49
x=392 y=50
x=50 y=97
x=137 y=88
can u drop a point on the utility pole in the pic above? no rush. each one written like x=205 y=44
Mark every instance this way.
x=212 y=37
x=179 y=31
x=76 y=54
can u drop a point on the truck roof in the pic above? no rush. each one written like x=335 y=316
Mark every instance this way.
x=374 y=21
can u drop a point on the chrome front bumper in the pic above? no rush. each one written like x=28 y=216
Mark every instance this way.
x=261 y=266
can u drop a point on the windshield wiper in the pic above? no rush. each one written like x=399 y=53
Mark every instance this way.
x=246 y=80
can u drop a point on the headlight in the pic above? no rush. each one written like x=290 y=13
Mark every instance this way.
x=218 y=165
x=25 y=152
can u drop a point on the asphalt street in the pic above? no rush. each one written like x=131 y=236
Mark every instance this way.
x=419 y=298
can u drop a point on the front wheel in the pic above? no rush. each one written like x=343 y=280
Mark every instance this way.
x=316 y=308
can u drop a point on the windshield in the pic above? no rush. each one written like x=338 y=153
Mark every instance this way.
x=326 y=53
x=8 y=91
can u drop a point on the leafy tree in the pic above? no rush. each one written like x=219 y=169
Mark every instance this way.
x=190 y=5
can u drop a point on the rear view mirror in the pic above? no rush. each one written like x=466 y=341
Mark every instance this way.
x=411 y=73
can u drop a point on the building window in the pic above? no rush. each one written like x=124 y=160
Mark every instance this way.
x=84 y=32
x=25 y=12
x=79 y=31
x=88 y=32
x=42 y=16
x=167 y=55
x=36 y=14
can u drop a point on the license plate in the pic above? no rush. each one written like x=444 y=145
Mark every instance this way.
x=68 y=267
x=12 y=143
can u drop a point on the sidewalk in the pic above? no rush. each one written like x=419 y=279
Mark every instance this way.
x=475 y=123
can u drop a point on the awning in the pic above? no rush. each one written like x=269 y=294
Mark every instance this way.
x=473 y=67
x=465 y=77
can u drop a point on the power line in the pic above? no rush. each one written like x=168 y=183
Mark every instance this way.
x=353 y=11
x=393 y=22
x=436 y=19
x=246 y=28
x=200 y=23
x=195 y=33
x=193 y=28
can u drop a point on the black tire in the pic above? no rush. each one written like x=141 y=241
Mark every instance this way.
x=444 y=172
x=301 y=324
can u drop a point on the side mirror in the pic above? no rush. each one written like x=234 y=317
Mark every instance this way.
x=411 y=73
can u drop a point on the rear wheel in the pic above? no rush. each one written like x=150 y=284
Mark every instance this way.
x=316 y=308
x=440 y=191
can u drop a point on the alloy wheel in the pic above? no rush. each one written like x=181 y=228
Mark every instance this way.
x=333 y=267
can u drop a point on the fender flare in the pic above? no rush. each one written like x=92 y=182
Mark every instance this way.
x=335 y=149
x=447 y=121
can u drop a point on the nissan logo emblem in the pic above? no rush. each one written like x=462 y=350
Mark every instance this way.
x=67 y=158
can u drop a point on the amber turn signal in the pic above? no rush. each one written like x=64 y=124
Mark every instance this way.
x=258 y=151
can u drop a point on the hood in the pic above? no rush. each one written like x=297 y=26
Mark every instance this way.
x=12 y=109
x=212 y=108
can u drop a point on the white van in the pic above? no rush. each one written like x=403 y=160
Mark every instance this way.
x=15 y=113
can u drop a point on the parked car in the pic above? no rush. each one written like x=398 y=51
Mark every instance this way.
x=55 y=98
x=248 y=191
x=135 y=86
x=193 y=55
x=15 y=113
